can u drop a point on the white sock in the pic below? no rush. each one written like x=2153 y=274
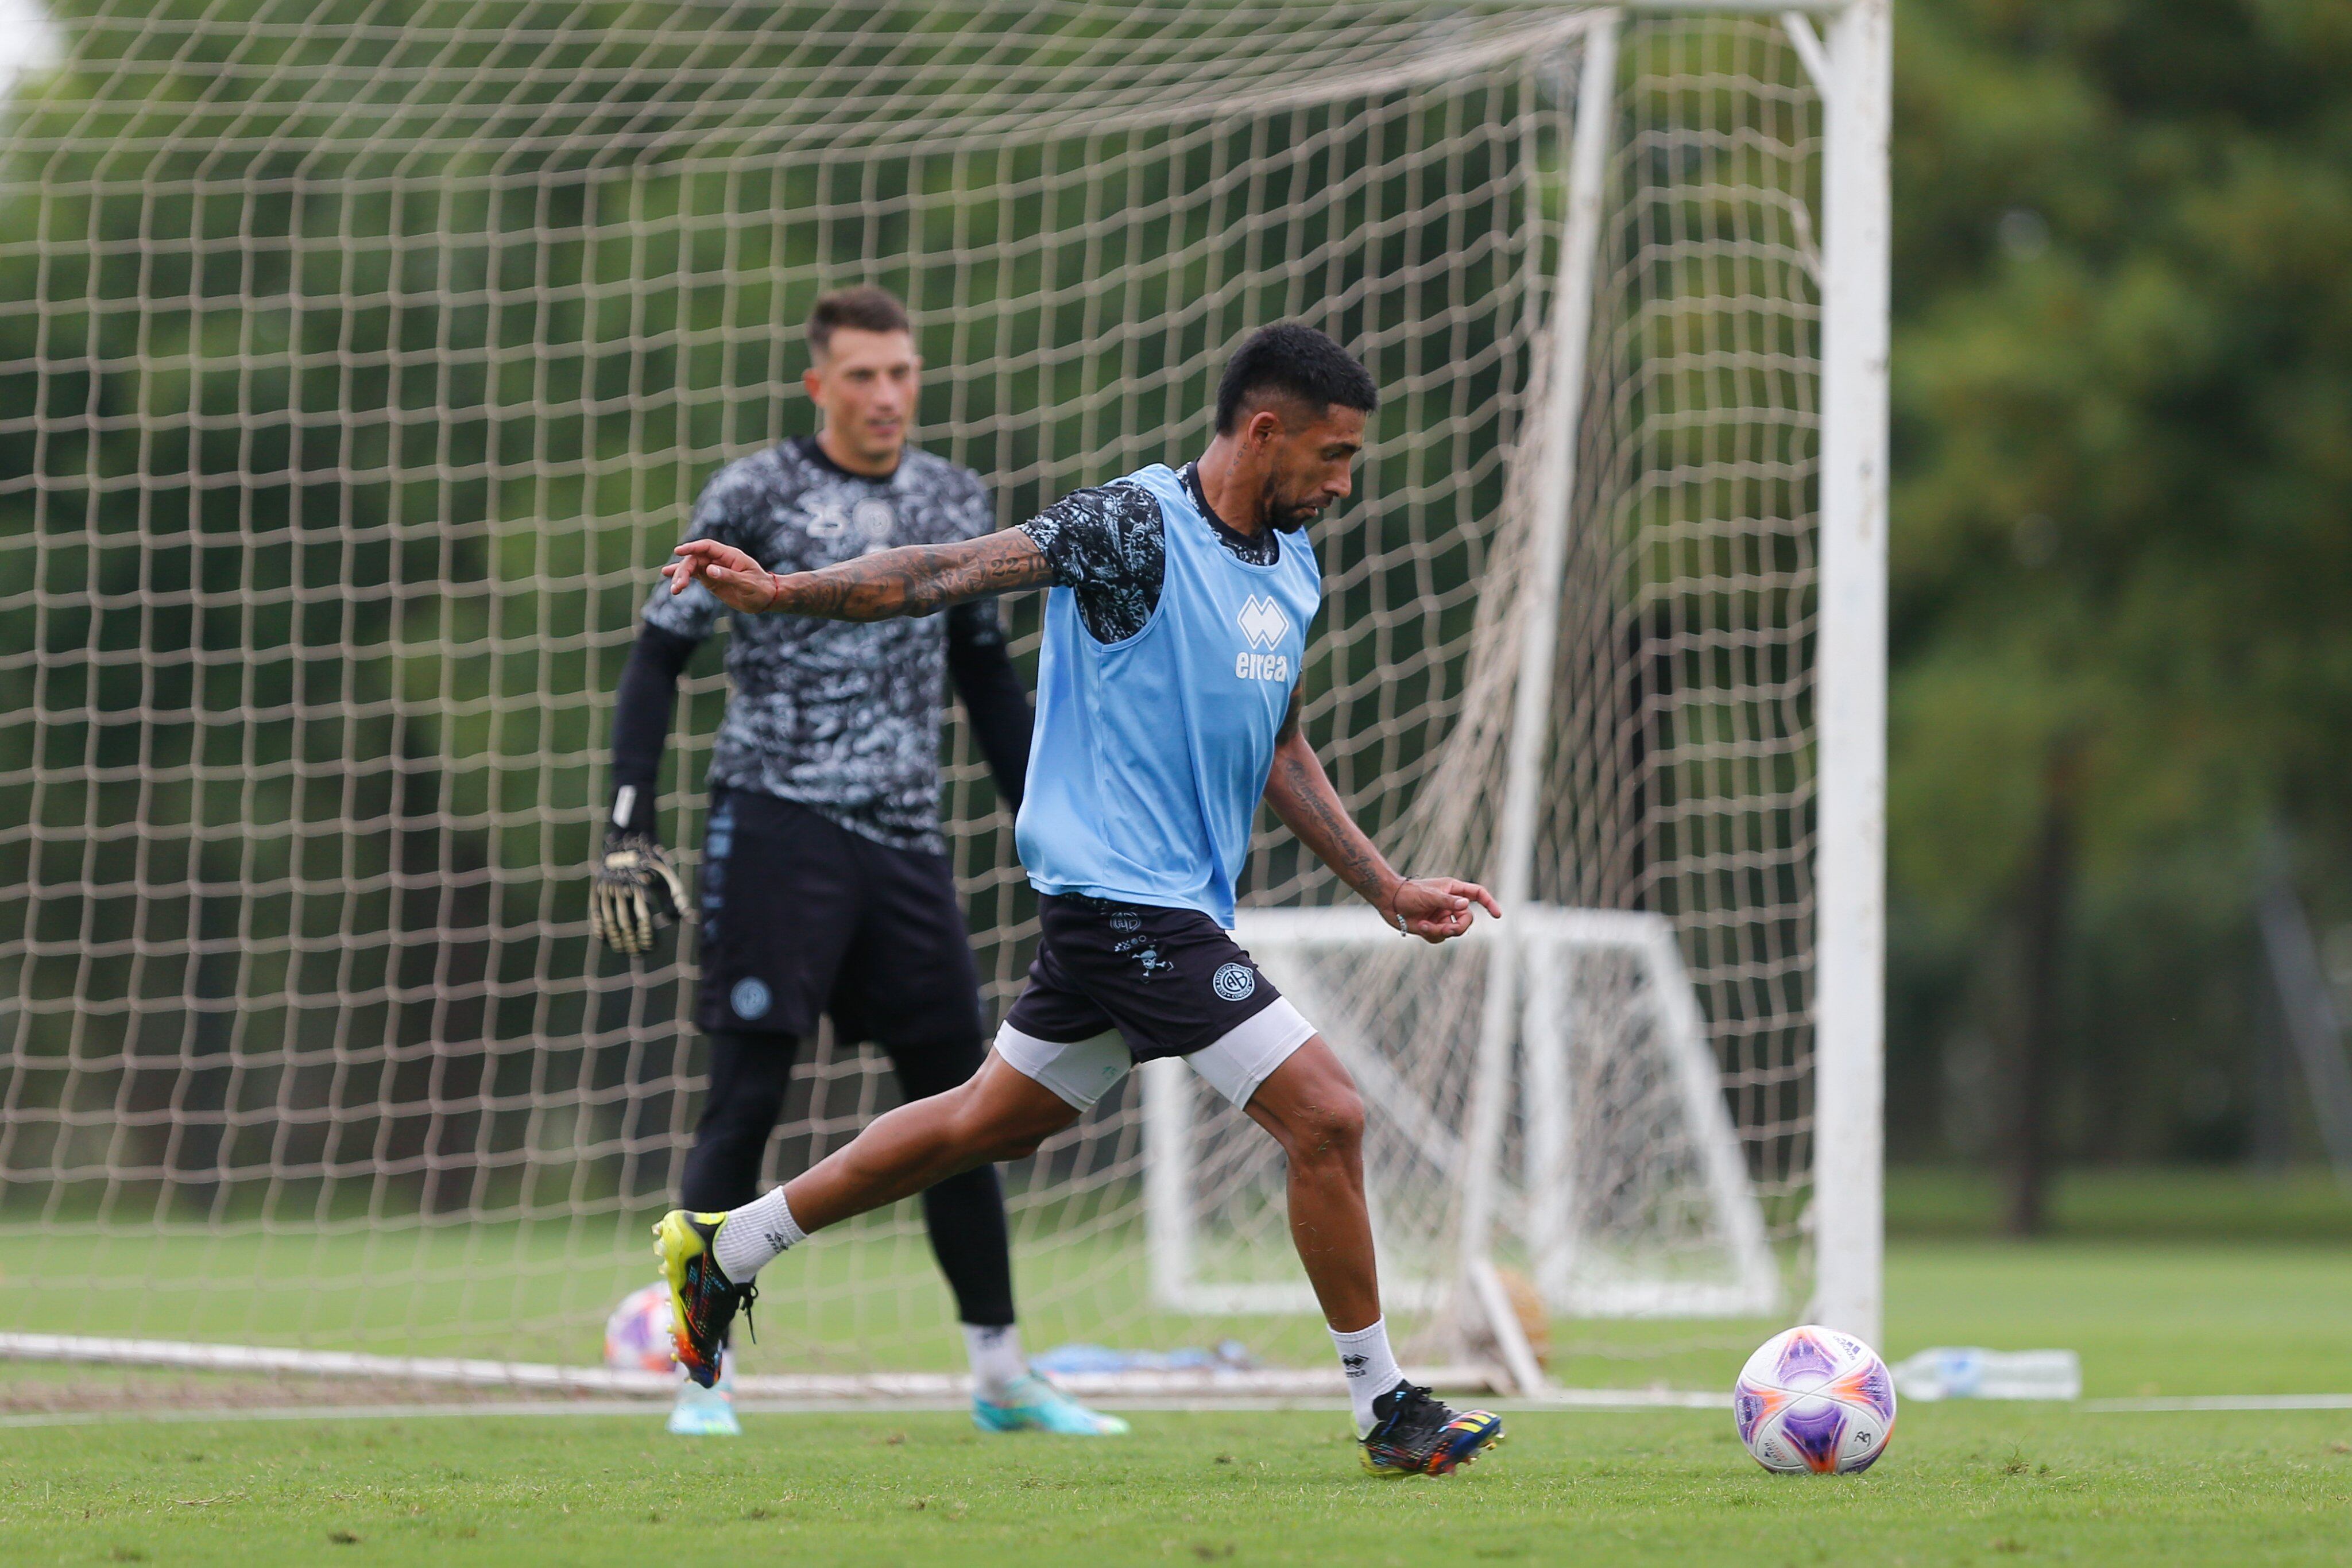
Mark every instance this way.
x=1370 y=1366
x=751 y=1237
x=997 y=1361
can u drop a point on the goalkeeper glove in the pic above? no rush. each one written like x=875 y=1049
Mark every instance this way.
x=636 y=891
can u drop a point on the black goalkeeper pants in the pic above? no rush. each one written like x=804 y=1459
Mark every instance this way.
x=965 y=1214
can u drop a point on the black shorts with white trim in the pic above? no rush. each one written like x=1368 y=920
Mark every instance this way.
x=1171 y=981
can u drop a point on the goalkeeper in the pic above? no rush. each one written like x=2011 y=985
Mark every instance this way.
x=826 y=888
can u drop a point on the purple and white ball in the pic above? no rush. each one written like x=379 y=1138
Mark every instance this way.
x=636 y=1336
x=1814 y=1399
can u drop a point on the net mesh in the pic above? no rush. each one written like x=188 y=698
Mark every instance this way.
x=357 y=364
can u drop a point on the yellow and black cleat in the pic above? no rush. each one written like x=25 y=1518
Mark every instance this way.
x=703 y=1301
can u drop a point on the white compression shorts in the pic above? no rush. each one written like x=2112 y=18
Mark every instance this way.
x=1082 y=1072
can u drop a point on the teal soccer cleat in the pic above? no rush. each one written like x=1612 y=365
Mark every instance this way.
x=1032 y=1405
x=702 y=1412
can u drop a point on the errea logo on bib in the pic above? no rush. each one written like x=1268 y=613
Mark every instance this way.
x=1263 y=624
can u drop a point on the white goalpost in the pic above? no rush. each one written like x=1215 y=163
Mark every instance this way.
x=355 y=377
x=1617 y=1083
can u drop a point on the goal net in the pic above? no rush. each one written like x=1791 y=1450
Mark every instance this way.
x=358 y=365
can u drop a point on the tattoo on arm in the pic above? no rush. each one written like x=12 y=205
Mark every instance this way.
x=1302 y=796
x=914 y=579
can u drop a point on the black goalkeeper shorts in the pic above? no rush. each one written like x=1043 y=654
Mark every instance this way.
x=802 y=918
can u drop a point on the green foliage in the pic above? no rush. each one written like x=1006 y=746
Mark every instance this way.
x=2124 y=429
x=2111 y=1203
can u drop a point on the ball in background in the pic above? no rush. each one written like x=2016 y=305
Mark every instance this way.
x=1814 y=1399
x=637 y=1336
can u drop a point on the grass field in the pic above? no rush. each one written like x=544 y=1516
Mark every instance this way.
x=405 y=1289
x=2167 y=1287
x=1963 y=1483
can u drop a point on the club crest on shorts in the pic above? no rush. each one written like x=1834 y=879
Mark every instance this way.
x=1234 y=982
x=750 y=997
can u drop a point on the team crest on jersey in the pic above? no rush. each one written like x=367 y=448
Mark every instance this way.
x=827 y=514
x=830 y=514
x=875 y=520
x=1234 y=982
x=1263 y=624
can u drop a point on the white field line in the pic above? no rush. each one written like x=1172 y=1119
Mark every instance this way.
x=196 y=1358
x=1262 y=1390
x=1592 y=1399
x=326 y=1413
x=1560 y=1401
x=2217 y=1402
x=878 y=1388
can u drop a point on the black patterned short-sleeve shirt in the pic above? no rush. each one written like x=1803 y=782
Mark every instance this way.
x=841 y=716
x=1108 y=545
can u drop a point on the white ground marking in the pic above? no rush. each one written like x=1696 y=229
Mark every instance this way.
x=2218 y=1402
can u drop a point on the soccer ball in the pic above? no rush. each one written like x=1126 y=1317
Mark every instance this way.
x=1814 y=1399
x=636 y=1336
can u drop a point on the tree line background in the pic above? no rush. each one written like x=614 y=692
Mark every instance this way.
x=2122 y=611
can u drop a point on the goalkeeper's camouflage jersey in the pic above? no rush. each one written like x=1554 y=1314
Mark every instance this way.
x=841 y=716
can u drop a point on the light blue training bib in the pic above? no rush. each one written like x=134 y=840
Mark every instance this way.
x=1152 y=754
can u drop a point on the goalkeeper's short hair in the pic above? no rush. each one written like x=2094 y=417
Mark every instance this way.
x=864 y=310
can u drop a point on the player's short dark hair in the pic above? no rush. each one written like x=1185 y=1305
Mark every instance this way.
x=1292 y=360
x=865 y=308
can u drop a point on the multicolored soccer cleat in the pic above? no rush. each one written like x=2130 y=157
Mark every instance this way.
x=703 y=1301
x=1415 y=1434
x=1034 y=1404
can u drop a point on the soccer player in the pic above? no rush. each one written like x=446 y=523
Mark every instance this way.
x=1168 y=706
x=825 y=884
